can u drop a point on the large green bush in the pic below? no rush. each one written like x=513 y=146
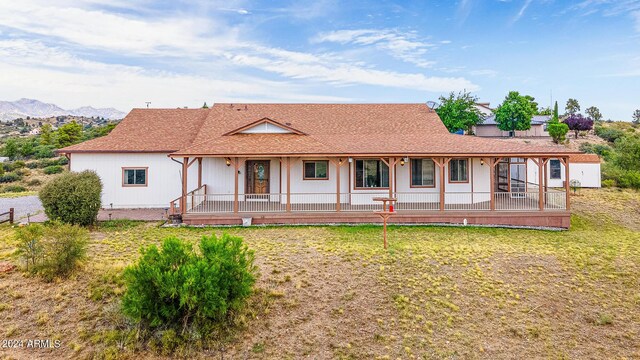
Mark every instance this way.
x=176 y=287
x=558 y=132
x=73 y=198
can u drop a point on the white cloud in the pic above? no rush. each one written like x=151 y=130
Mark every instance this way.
x=53 y=75
x=403 y=46
x=520 y=13
x=203 y=50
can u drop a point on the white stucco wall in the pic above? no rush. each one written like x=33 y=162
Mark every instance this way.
x=164 y=180
x=163 y=183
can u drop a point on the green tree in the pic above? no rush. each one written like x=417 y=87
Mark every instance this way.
x=558 y=131
x=515 y=112
x=11 y=149
x=594 y=113
x=544 y=111
x=458 y=111
x=69 y=134
x=45 y=135
x=205 y=106
x=556 y=117
x=636 y=117
x=628 y=152
x=572 y=107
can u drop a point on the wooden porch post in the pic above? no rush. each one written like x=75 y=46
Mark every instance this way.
x=566 y=182
x=540 y=163
x=338 y=166
x=183 y=199
x=199 y=172
x=288 y=184
x=236 y=166
x=442 y=162
x=492 y=185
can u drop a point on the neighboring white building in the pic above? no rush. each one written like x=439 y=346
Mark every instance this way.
x=584 y=168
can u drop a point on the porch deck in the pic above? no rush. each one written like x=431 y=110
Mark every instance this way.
x=518 y=209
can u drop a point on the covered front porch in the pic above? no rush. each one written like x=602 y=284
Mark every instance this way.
x=341 y=189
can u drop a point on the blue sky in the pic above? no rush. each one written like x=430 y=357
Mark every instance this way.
x=181 y=53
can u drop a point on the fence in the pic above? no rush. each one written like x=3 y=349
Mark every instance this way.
x=10 y=213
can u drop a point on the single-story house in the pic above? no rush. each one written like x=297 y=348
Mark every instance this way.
x=489 y=128
x=318 y=163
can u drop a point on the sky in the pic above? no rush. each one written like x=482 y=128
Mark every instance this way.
x=173 y=53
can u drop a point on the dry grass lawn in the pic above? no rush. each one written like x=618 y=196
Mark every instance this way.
x=333 y=292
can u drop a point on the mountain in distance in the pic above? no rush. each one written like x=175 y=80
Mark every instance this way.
x=10 y=110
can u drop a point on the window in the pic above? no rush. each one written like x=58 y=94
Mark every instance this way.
x=134 y=177
x=423 y=173
x=554 y=169
x=316 y=170
x=371 y=174
x=458 y=170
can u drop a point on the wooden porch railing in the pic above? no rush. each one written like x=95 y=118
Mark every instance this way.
x=201 y=203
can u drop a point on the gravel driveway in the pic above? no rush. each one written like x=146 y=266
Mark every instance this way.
x=23 y=206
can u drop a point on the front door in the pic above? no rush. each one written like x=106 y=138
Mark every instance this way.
x=257 y=178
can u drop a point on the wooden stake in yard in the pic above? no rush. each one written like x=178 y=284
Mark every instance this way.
x=385 y=214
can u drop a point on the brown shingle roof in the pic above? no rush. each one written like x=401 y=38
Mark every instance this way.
x=148 y=130
x=341 y=129
x=584 y=158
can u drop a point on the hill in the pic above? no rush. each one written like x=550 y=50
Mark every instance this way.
x=28 y=108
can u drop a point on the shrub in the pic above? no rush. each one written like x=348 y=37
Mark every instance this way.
x=72 y=198
x=608 y=133
x=64 y=246
x=9 y=177
x=178 y=288
x=608 y=183
x=630 y=179
x=558 y=132
x=32 y=165
x=44 y=152
x=54 y=169
x=62 y=161
x=52 y=251
x=34 y=182
x=18 y=164
x=13 y=188
x=29 y=240
x=604 y=151
x=22 y=172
